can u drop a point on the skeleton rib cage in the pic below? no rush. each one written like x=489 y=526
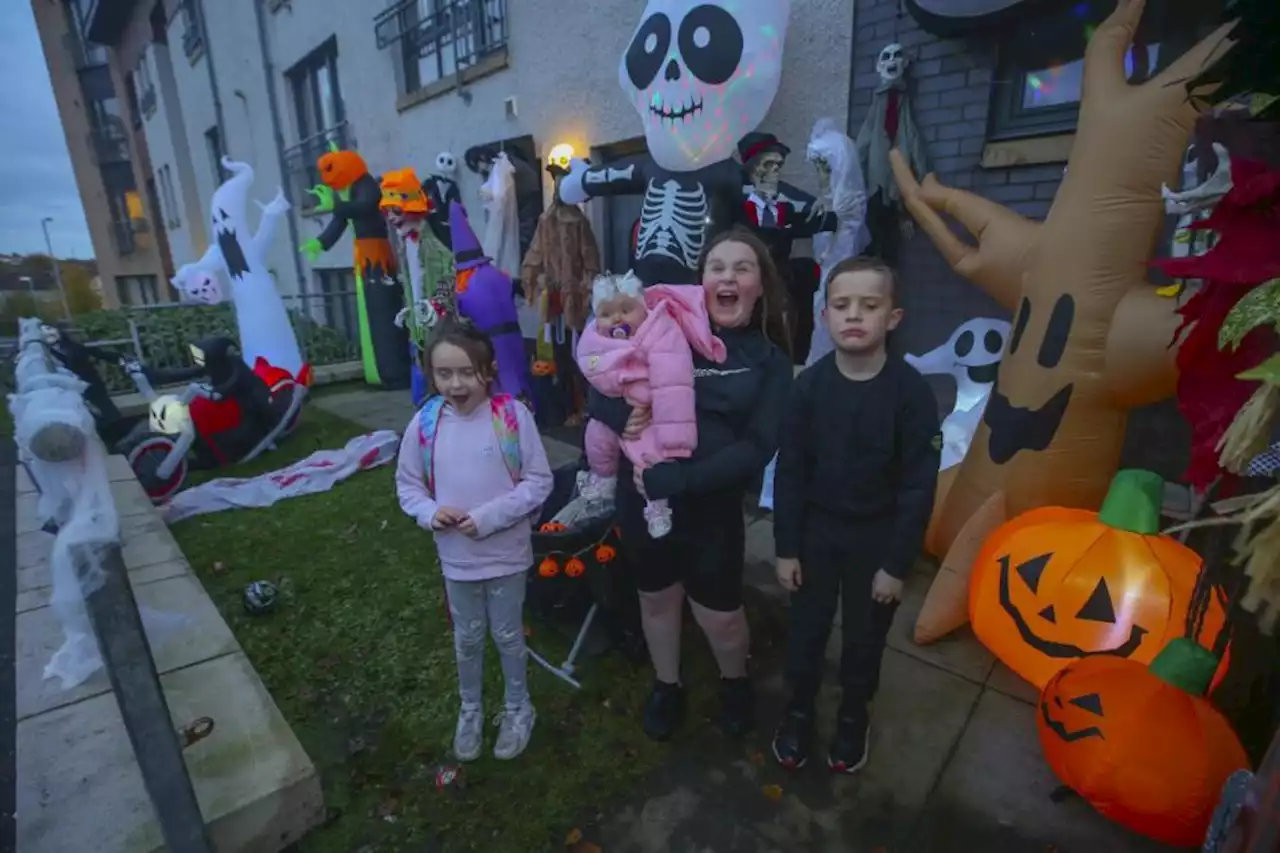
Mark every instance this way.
x=673 y=222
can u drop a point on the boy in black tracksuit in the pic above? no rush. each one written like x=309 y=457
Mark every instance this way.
x=852 y=498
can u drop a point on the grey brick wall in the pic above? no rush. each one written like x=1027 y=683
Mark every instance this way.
x=951 y=84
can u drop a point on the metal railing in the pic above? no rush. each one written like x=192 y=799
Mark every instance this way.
x=83 y=54
x=300 y=162
x=109 y=146
x=56 y=438
x=327 y=326
x=472 y=28
x=124 y=237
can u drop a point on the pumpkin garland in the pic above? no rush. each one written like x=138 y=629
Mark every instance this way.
x=1142 y=744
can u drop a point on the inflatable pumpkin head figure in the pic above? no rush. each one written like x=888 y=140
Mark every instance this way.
x=340 y=169
x=1055 y=585
x=1142 y=745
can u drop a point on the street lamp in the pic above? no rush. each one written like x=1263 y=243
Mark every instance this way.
x=57 y=272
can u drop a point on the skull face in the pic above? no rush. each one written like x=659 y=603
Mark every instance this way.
x=446 y=164
x=703 y=75
x=203 y=288
x=766 y=171
x=892 y=63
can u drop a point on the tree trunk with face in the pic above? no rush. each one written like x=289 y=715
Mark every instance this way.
x=1091 y=338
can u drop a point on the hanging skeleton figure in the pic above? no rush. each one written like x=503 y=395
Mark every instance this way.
x=889 y=124
x=1193 y=203
x=844 y=194
x=701 y=77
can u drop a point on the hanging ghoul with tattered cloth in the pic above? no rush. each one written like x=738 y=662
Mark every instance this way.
x=701 y=76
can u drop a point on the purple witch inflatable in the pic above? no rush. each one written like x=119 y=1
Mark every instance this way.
x=485 y=297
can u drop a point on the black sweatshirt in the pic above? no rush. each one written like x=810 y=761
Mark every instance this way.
x=739 y=412
x=858 y=453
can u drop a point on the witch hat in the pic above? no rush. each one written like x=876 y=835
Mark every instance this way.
x=467 y=253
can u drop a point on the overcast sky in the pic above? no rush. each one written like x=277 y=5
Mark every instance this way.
x=35 y=170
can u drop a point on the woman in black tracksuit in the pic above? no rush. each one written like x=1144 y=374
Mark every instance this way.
x=739 y=413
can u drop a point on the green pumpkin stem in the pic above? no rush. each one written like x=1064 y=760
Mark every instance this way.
x=1187 y=665
x=1133 y=502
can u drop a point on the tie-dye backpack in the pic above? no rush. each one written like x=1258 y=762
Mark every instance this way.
x=505 y=424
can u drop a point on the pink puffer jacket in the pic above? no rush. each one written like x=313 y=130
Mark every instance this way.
x=654 y=367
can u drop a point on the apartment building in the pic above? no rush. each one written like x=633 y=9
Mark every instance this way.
x=108 y=156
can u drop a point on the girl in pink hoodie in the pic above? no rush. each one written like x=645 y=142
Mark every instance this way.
x=473 y=471
x=640 y=348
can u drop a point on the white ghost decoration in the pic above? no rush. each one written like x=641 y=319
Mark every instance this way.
x=971 y=357
x=703 y=74
x=265 y=330
x=891 y=64
x=202 y=288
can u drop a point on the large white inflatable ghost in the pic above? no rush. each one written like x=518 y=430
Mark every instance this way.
x=971 y=357
x=265 y=330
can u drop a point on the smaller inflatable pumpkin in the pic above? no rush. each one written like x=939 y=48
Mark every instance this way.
x=1054 y=585
x=1141 y=744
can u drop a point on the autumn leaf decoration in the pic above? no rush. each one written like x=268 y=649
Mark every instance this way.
x=1229 y=388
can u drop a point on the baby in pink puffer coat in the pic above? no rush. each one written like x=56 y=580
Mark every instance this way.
x=640 y=347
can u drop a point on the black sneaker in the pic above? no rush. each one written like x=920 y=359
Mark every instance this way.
x=663 y=710
x=852 y=746
x=737 y=706
x=793 y=739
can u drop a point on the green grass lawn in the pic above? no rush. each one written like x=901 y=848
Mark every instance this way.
x=360 y=660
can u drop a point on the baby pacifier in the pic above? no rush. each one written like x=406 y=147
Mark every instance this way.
x=622 y=330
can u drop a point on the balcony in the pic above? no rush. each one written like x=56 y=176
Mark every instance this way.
x=473 y=29
x=300 y=163
x=109 y=146
x=83 y=54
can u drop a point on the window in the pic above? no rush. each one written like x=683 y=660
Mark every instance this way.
x=319 y=117
x=85 y=53
x=131 y=93
x=338 y=301
x=213 y=144
x=1038 y=83
x=146 y=87
x=439 y=38
x=137 y=289
x=168 y=198
x=192 y=37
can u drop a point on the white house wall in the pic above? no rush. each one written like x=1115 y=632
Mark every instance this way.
x=195 y=106
x=563 y=73
x=164 y=152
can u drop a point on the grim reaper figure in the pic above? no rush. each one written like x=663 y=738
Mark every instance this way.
x=701 y=75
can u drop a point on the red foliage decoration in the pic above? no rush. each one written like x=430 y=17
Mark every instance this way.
x=1247 y=253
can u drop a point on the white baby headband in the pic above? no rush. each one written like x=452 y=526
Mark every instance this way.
x=608 y=286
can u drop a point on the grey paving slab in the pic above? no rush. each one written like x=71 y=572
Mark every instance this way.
x=960 y=652
x=186 y=628
x=997 y=787
x=147 y=542
x=30 y=599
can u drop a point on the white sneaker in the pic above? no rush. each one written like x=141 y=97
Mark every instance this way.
x=515 y=729
x=468 y=737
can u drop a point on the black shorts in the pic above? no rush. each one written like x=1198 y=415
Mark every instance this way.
x=704 y=551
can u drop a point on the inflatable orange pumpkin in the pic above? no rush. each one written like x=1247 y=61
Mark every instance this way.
x=1054 y=585
x=1141 y=744
x=340 y=169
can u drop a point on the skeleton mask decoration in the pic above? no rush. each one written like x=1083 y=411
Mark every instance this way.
x=203 y=288
x=446 y=164
x=703 y=74
x=766 y=171
x=891 y=64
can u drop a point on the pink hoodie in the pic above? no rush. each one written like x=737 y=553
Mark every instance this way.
x=654 y=367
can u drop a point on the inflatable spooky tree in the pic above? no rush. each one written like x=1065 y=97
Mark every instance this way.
x=1091 y=337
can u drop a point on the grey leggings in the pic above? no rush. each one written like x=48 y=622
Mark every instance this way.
x=498 y=603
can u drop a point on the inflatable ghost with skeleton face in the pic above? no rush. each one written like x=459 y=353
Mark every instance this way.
x=265 y=331
x=701 y=75
x=971 y=356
